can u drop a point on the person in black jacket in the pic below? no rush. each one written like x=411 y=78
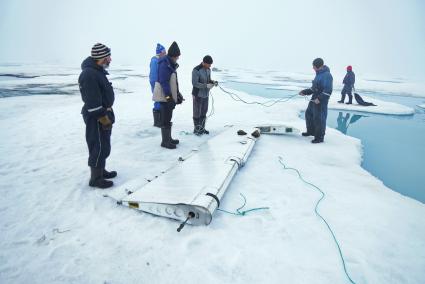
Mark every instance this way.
x=98 y=97
x=349 y=80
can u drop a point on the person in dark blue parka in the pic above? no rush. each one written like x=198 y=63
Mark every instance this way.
x=317 y=110
x=166 y=92
x=98 y=97
x=349 y=80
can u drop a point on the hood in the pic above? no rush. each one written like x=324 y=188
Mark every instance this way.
x=323 y=70
x=89 y=62
x=167 y=60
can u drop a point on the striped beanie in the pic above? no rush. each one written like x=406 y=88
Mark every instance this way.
x=100 y=51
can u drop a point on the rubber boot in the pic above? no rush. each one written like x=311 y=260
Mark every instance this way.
x=350 y=100
x=197 y=128
x=108 y=175
x=204 y=131
x=317 y=140
x=173 y=141
x=97 y=180
x=156 y=118
x=342 y=99
x=166 y=138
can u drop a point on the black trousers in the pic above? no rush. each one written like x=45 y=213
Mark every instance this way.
x=315 y=118
x=200 y=107
x=166 y=111
x=346 y=91
x=98 y=142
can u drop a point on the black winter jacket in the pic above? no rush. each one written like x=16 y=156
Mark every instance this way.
x=96 y=91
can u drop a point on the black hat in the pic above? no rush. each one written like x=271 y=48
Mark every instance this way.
x=207 y=59
x=174 y=50
x=100 y=51
x=318 y=62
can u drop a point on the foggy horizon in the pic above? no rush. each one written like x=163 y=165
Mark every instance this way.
x=385 y=38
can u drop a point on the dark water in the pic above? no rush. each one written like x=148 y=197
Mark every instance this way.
x=20 y=84
x=259 y=89
x=394 y=146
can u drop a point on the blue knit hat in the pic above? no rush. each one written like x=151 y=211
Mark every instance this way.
x=159 y=48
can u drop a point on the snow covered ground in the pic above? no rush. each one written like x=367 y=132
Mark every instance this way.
x=55 y=229
x=382 y=107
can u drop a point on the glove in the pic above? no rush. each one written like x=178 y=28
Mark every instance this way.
x=180 y=98
x=105 y=122
x=169 y=98
x=215 y=83
x=209 y=86
x=306 y=92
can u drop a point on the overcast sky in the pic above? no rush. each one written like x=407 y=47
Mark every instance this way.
x=383 y=37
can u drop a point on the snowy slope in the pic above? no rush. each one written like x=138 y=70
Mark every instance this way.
x=55 y=229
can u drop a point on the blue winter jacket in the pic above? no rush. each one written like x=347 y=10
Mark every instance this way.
x=322 y=84
x=96 y=91
x=349 y=80
x=153 y=74
x=165 y=68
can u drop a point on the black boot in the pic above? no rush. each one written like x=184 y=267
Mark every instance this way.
x=204 y=131
x=350 y=100
x=156 y=118
x=97 y=180
x=166 y=138
x=110 y=174
x=197 y=128
x=173 y=141
x=317 y=140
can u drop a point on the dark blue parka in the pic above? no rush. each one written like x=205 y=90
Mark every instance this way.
x=322 y=84
x=96 y=91
x=316 y=114
x=349 y=80
x=98 y=95
x=165 y=68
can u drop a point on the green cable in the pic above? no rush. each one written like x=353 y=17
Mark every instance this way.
x=318 y=214
x=243 y=213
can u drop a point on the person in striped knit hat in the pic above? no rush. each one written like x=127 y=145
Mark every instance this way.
x=98 y=97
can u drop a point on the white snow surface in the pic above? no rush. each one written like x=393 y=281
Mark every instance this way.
x=382 y=107
x=56 y=229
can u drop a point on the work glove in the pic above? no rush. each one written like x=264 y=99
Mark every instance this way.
x=209 y=85
x=105 y=122
x=306 y=92
x=180 y=98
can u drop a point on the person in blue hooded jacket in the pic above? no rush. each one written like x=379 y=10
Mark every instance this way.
x=317 y=110
x=153 y=77
x=98 y=97
x=349 y=80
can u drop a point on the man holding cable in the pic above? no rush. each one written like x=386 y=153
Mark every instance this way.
x=202 y=83
x=317 y=110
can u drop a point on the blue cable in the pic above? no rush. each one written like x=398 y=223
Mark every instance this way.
x=242 y=213
x=318 y=214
